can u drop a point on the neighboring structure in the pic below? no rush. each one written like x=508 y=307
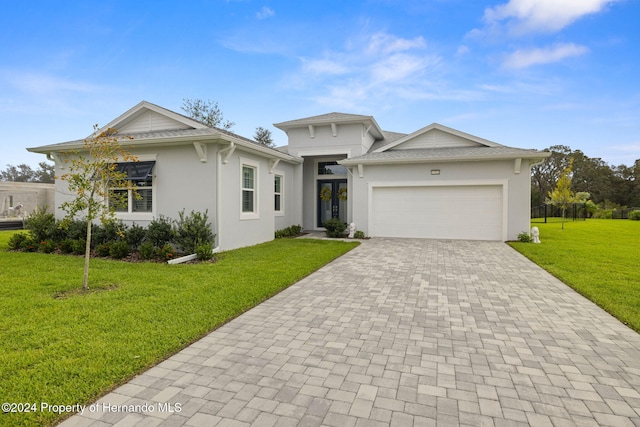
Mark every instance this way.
x=434 y=183
x=31 y=195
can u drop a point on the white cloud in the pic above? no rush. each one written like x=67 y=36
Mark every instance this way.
x=323 y=66
x=265 y=12
x=398 y=68
x=378 y=66
x=43 y=84
x=547 y=16
x=383 y=43
x=523 y=58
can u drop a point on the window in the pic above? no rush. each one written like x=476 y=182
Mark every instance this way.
x=278 y=205
x=248 y=189
x=140 y=177
x=331 y=168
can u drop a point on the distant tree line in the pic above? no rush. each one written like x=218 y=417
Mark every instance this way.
x=609 y=186
x=25 y=173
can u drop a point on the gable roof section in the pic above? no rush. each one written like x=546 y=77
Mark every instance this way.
x=152 y=125
x=438 y=143
x=337 y=118
x=436 y=136
x=148 y=117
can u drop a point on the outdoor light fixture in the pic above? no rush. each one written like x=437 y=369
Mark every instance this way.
x=435 y=171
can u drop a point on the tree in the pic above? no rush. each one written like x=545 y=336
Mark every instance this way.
x=206 y=112
x=562 y=196
x=93 y=176
x=263 y=136
x=24 y=173
x=545 y=175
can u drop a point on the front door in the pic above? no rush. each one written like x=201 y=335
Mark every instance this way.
x=332 y=200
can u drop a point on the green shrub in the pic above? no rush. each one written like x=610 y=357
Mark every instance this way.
x=147 y=251
x=29 y=245
x=295 y=230
x=291 y=231
x=335 y=227
x=204 y=252
x=167 y=252
x=193 y=230
x=78 y=246
x=76 y=229
x=41 y=224
x=66 y=246
x=135 y=236
x=634 y=215
x=119 y=249
x=47 y=246
x=524 y=237
x=103 y=249
x=16 y=241
x=160 y=231
x=358 y=234
x=603 y=214
x=109 y=231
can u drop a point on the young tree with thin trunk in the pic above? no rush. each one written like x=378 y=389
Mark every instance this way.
x=93 y=177
x=562 y=196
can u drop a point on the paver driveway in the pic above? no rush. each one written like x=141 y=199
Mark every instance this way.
x=403 y=332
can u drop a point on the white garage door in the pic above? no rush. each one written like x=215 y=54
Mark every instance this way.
x=443 y=212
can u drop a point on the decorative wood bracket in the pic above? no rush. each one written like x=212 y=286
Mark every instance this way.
x=365 y=130
x=517 y=166
x=312 y=131
x=57 y=159
x=360 y=170
x=201 y=150
x=334 y=129
x=226 y=153
x=273 y=163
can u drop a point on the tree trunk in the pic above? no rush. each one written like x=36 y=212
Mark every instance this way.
x=87 y=256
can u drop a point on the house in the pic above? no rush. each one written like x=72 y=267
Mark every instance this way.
x=434 y=183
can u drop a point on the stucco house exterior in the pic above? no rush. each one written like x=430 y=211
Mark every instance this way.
x=434 y=183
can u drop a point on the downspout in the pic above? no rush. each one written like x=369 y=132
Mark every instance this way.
x=228 y=149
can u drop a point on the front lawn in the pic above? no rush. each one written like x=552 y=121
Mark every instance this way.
x=599 y=258
x=61 y=347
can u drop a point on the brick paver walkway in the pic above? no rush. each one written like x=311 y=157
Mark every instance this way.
x=400 y=332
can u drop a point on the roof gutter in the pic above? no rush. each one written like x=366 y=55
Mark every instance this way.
x=355 y=161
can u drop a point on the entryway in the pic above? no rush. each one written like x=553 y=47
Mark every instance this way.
x=332 y=200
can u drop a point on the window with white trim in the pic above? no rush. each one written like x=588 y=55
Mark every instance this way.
x=138 y=198
x=249 y=189
x=278 y=194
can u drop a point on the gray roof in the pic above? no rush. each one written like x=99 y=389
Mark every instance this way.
x=176 y=136
x=389 y=137
x=445 y=154
x=324 y=118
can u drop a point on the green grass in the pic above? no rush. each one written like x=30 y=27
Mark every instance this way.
x=72 y=350
x=599 y=258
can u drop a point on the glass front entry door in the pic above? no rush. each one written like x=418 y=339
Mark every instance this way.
x=332 y=200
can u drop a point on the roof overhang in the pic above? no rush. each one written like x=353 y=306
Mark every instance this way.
x=370 y=124
x=174 y=138
x=533 y=156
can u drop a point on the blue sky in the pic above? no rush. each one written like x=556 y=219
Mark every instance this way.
x=524 y=73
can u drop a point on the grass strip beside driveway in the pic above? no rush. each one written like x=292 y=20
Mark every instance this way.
x=599 y=258
x=74 y=348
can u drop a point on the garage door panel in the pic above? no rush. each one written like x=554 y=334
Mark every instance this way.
x=442 y=212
